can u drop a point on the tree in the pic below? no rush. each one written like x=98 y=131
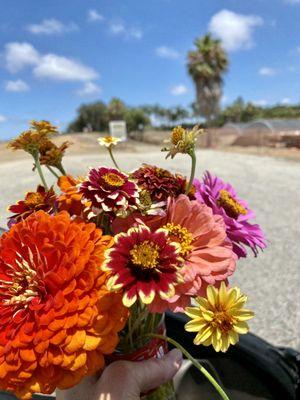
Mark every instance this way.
x=92 y=115
x=116 y=109
x=136 y=119
x=206 y=65
x=177 y=113
x=96 y=116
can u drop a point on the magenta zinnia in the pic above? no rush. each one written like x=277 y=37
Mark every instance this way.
x=222 y=199
x=143 y=264
x=109 y=191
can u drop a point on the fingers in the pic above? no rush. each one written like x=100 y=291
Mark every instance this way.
x=154 y=372
x=126 y=380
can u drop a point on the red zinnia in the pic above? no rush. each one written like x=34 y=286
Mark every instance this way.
x=42 y=199
x=143 y=264
x=159 y=182
x=57 y=318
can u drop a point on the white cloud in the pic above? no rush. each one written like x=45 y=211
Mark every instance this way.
x=235 y=30
x=63 y=69
x=117 y=28
x=261 y=102
x=51 y=66
x=16 y=86
x=179 y=90
x=120 y=29
x=135 y=33
x=2 y=118
x=167 y=52
x=89 y=88
x=20 y=55
x=94 y=16
x=292 y=1
x=267 y=71
x=51 y=27
x=285 y=101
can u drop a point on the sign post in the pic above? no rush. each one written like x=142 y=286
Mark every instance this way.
x=118 y=129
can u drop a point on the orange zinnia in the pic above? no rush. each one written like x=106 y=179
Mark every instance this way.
x=70 y=200
x=57 y=318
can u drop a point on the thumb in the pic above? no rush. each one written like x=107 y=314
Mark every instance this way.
x=154 y=372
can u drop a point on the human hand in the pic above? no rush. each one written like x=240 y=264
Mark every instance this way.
x=126 y=380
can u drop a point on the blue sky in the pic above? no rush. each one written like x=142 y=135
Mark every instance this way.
x=55 y=55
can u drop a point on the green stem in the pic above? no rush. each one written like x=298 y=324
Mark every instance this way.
x=193 y=157
x=130 y=331
x=105 y=224
x=40 y=172
x=61 y=169
x=195 y=362
x=113 y=158
x=52 y=171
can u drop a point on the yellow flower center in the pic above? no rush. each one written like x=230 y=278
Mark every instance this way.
x=223 y=321
x=34 y=199
x=113 y=179
x=145 y=254
x=108 y=139
x=232 y=207
x=181 y=235
x=145 y=199
x=23 y=287
x=177 y=134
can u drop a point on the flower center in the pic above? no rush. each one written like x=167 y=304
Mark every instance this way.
x=145 y=199
x=23 y=286
x=177 y=135
x=34 y=199
x=181 y=235
x=108 y=139
x=232 y=207
x=223 y=321
x=145 y=254
x=113 y=179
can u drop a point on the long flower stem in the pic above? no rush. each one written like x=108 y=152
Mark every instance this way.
x=113 y=158
x=130 y=332
x=193 y=169
x=62 y=170
x=52 y=171
x=195 y=362
x=40 y=172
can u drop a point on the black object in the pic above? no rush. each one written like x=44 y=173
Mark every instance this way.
x=252 y=369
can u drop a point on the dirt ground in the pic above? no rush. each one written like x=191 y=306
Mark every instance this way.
x=86 y=143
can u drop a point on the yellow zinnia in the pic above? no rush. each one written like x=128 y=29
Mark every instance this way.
x=219 y=318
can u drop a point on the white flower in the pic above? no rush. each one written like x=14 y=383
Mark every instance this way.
x=108 y=141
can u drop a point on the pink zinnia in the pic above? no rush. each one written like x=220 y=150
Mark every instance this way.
x=207 y=253
x=222 y=199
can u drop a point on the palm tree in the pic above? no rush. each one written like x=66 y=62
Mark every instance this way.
x=206 y=65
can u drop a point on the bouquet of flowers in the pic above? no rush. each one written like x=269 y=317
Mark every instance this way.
x=88 y=268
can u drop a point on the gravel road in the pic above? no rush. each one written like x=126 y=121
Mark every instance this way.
x=272 y=188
